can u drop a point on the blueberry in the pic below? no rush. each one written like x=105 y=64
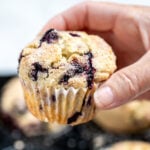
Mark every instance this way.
x=74 y=34
x=90 y=71
x=74 y=117
x=37 y=68
x=64 y=79
x=79 y=68
x=50 y=36
x=53 y=98
x=89 y=101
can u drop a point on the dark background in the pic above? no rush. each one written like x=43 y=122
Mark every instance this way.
x=82 y=137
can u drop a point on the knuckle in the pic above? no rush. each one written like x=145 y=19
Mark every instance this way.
x=131 y=82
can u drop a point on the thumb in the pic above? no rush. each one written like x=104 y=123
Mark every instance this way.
x=125 y=84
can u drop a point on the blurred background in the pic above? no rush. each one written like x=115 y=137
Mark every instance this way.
x=20 y=21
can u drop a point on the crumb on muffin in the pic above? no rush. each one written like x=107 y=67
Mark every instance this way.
x=59 y=58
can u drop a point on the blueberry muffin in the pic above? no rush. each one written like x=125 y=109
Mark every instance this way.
x=130 y=118
x=14 y=107
x=131 y=145
x=59 y=72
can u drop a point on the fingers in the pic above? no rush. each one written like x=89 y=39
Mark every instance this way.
x=125 y=84
x=71 y=19
x=90 y=15
x=146 y=95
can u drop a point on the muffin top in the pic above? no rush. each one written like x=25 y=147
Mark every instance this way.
x=12 y=102
x=134 y=117
x=66 y=59
x=131 y=145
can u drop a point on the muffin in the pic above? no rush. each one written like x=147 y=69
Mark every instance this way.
x=60 y=71
x=131 y=145
x=130 y=118
x=13 y=106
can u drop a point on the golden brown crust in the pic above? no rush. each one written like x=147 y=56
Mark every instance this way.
x=57 y=58
x=59 y=72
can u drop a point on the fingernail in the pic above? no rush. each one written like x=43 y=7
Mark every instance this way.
x=104 y=97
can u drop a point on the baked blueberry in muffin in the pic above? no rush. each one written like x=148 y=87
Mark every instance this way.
x=65 y=67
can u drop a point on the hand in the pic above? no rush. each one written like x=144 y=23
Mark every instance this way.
x=127 y=29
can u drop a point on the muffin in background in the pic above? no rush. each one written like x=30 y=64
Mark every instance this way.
x=130 y=145
x=129 y=118
x=13 y=105
x=60 y=71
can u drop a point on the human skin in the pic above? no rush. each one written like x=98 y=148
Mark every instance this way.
x=127 y=29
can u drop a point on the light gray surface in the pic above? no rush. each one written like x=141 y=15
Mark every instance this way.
x=21 y=20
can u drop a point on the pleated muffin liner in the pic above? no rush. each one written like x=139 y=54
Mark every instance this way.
x=64 y=106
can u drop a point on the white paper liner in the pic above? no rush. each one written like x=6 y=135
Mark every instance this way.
x=64 y=106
